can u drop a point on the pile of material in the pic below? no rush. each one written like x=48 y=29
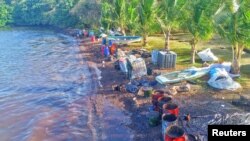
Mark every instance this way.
x=165 y=59
x=220 y=79
x=141 y=86
x=243 y=101
x=136 y=68
x=141 y=52
x=130 y=65
x=207 y=55
x=220 y=76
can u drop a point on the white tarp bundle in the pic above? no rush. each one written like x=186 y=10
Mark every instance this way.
x=207 y=55
x=220 y=79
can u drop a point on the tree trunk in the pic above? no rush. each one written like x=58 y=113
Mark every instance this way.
x=193 y=50
x=235 y=66
x=123 y=32
x=167 y=37
x=144 y=40
x=237 y=49
x=193 y=54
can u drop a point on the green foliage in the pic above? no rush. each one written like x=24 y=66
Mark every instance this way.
x=88 y=13
x=146 y=18
x=5 y=13
x=44 y=12
x=199 y=21
x=169 y=16
x=199 y=18
x=136 y=16
x=146 y=15
x=106 y=14
x=62 y=15
x=232 y=23
x=120 y=13
x=170 y=12
x=132 y=16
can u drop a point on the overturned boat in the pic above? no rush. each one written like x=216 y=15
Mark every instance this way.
x=178 y=76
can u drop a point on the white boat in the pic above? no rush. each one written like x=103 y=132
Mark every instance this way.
x=178 y=76
x=124 y=39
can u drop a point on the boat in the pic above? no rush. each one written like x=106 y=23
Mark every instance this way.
x=124 y=39
x=178 y=76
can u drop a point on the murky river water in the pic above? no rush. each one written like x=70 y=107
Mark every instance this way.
x=45 y=91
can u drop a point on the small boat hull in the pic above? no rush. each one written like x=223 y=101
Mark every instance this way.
x=178 y=76
x=124 y=39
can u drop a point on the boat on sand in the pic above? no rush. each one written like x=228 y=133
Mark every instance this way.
x=124 y=39
x=178 y=76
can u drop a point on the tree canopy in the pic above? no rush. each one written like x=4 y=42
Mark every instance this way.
x=5 y=13
x=60 y=13
x=232 y=21
x=199 y=22
x=171 y=18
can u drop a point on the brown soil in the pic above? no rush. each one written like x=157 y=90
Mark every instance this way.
x=202 y=103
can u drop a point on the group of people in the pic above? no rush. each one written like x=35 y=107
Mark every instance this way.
x=86 y=33
x=108 y=47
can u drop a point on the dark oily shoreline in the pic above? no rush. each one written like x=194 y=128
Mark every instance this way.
x=111 y=119
x=206 y=106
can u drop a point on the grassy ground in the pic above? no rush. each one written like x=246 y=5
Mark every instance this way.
x=179 y=44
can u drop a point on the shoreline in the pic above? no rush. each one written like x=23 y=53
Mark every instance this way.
x=123 y=101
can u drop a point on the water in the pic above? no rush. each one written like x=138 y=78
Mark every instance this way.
x=47 y=91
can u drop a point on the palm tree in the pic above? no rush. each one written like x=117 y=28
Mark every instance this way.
x=232 y=21
x=146 y=17
x=120 y=13
x=169 y=13
x=106 y=14
x=114 y=14
x=120 y=10
x=132 y=16
x=199 y=22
